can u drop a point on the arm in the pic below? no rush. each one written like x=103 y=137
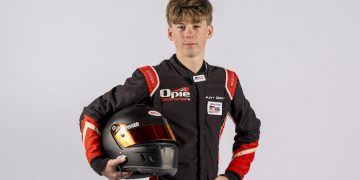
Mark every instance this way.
x=96 y=113
x=247 y=128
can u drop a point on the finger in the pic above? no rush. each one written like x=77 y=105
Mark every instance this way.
x=119 y=175
x=218 y=178
x=221 y=178
x=119 y=160
x=126 y=174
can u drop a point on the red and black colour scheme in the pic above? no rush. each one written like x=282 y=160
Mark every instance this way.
x=196 y=112
x=91 y=137
x=152 y=79
x=242 y=158
x=231 y=79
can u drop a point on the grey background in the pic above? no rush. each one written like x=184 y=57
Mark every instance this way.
x=298 y=62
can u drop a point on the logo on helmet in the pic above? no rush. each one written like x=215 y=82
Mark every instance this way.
x=128 y=127
x=154 y=113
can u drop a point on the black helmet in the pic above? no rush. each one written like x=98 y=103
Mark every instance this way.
x=145 y=137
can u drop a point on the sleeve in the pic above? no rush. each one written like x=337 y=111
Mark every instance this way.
x=94 y=115
x=247 y=128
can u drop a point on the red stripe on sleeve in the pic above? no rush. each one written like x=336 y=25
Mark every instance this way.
x=246 y=147
x=153 y=178
x=91 y=137
x=241 y=164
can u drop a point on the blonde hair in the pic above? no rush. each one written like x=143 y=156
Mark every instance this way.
x=192 y=11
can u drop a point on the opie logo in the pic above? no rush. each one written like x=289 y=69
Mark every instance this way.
x=154 y=113
x=181 y=94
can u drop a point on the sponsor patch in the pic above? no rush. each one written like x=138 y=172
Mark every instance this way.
x=181 y=94
x=214 y=108
x=154 y=113
x=199 y=78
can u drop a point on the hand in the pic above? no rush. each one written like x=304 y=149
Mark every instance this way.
x=110 y=170
x=221 y=178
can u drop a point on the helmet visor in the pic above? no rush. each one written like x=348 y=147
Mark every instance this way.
x=130 y=134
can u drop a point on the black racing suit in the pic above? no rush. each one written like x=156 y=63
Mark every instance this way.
x=197 y=116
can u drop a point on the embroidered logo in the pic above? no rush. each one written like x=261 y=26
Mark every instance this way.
x=181 y=94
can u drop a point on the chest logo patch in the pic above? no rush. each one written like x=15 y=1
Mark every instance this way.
x=181 y=94
x=214 y=108
x=199 y=78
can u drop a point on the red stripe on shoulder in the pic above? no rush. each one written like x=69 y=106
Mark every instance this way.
x=152 y=78
x=231 y=80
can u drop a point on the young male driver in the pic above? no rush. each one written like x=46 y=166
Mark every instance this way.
x=197 y=116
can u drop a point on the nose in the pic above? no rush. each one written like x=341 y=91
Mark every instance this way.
x=189 y=32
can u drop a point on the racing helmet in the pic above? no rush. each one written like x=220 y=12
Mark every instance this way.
x=145 y=137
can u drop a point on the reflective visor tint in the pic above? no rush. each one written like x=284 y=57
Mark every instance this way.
x=130 y=134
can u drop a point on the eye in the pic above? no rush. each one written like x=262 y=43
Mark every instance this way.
x=181 y=27
x=196 y=26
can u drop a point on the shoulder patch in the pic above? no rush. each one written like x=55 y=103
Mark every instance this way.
x=152 y=78
x=230 y=83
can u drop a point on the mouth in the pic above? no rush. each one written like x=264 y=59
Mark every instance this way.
x=190 y=44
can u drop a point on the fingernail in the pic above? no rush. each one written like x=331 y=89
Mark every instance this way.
x=122 y=157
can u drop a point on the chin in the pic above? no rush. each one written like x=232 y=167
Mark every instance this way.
x=191 y=53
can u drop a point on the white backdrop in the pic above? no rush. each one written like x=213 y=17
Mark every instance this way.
x=298 y=62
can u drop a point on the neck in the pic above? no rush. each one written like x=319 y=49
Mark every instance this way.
x=192 y=63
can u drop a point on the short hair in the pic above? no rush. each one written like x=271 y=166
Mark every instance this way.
x=192 y=11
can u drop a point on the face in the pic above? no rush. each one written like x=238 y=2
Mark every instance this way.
x=190 y=38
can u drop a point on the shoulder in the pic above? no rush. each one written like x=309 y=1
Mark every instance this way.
x=163 y=65
x=151 y=74
x=217 y=70
x=229 y=76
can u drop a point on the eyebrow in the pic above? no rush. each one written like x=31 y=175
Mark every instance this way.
x=190 y=23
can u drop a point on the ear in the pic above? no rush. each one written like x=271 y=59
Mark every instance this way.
x=170 y=34
x=210 y=31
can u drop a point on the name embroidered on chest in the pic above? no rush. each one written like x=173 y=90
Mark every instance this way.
x=214 y=97
x=199 y=78
x=214 y=108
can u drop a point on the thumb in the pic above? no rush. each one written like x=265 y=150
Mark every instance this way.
x=119 y=160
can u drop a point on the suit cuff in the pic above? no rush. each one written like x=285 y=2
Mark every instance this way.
x=231 y=175
x=98 y=164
